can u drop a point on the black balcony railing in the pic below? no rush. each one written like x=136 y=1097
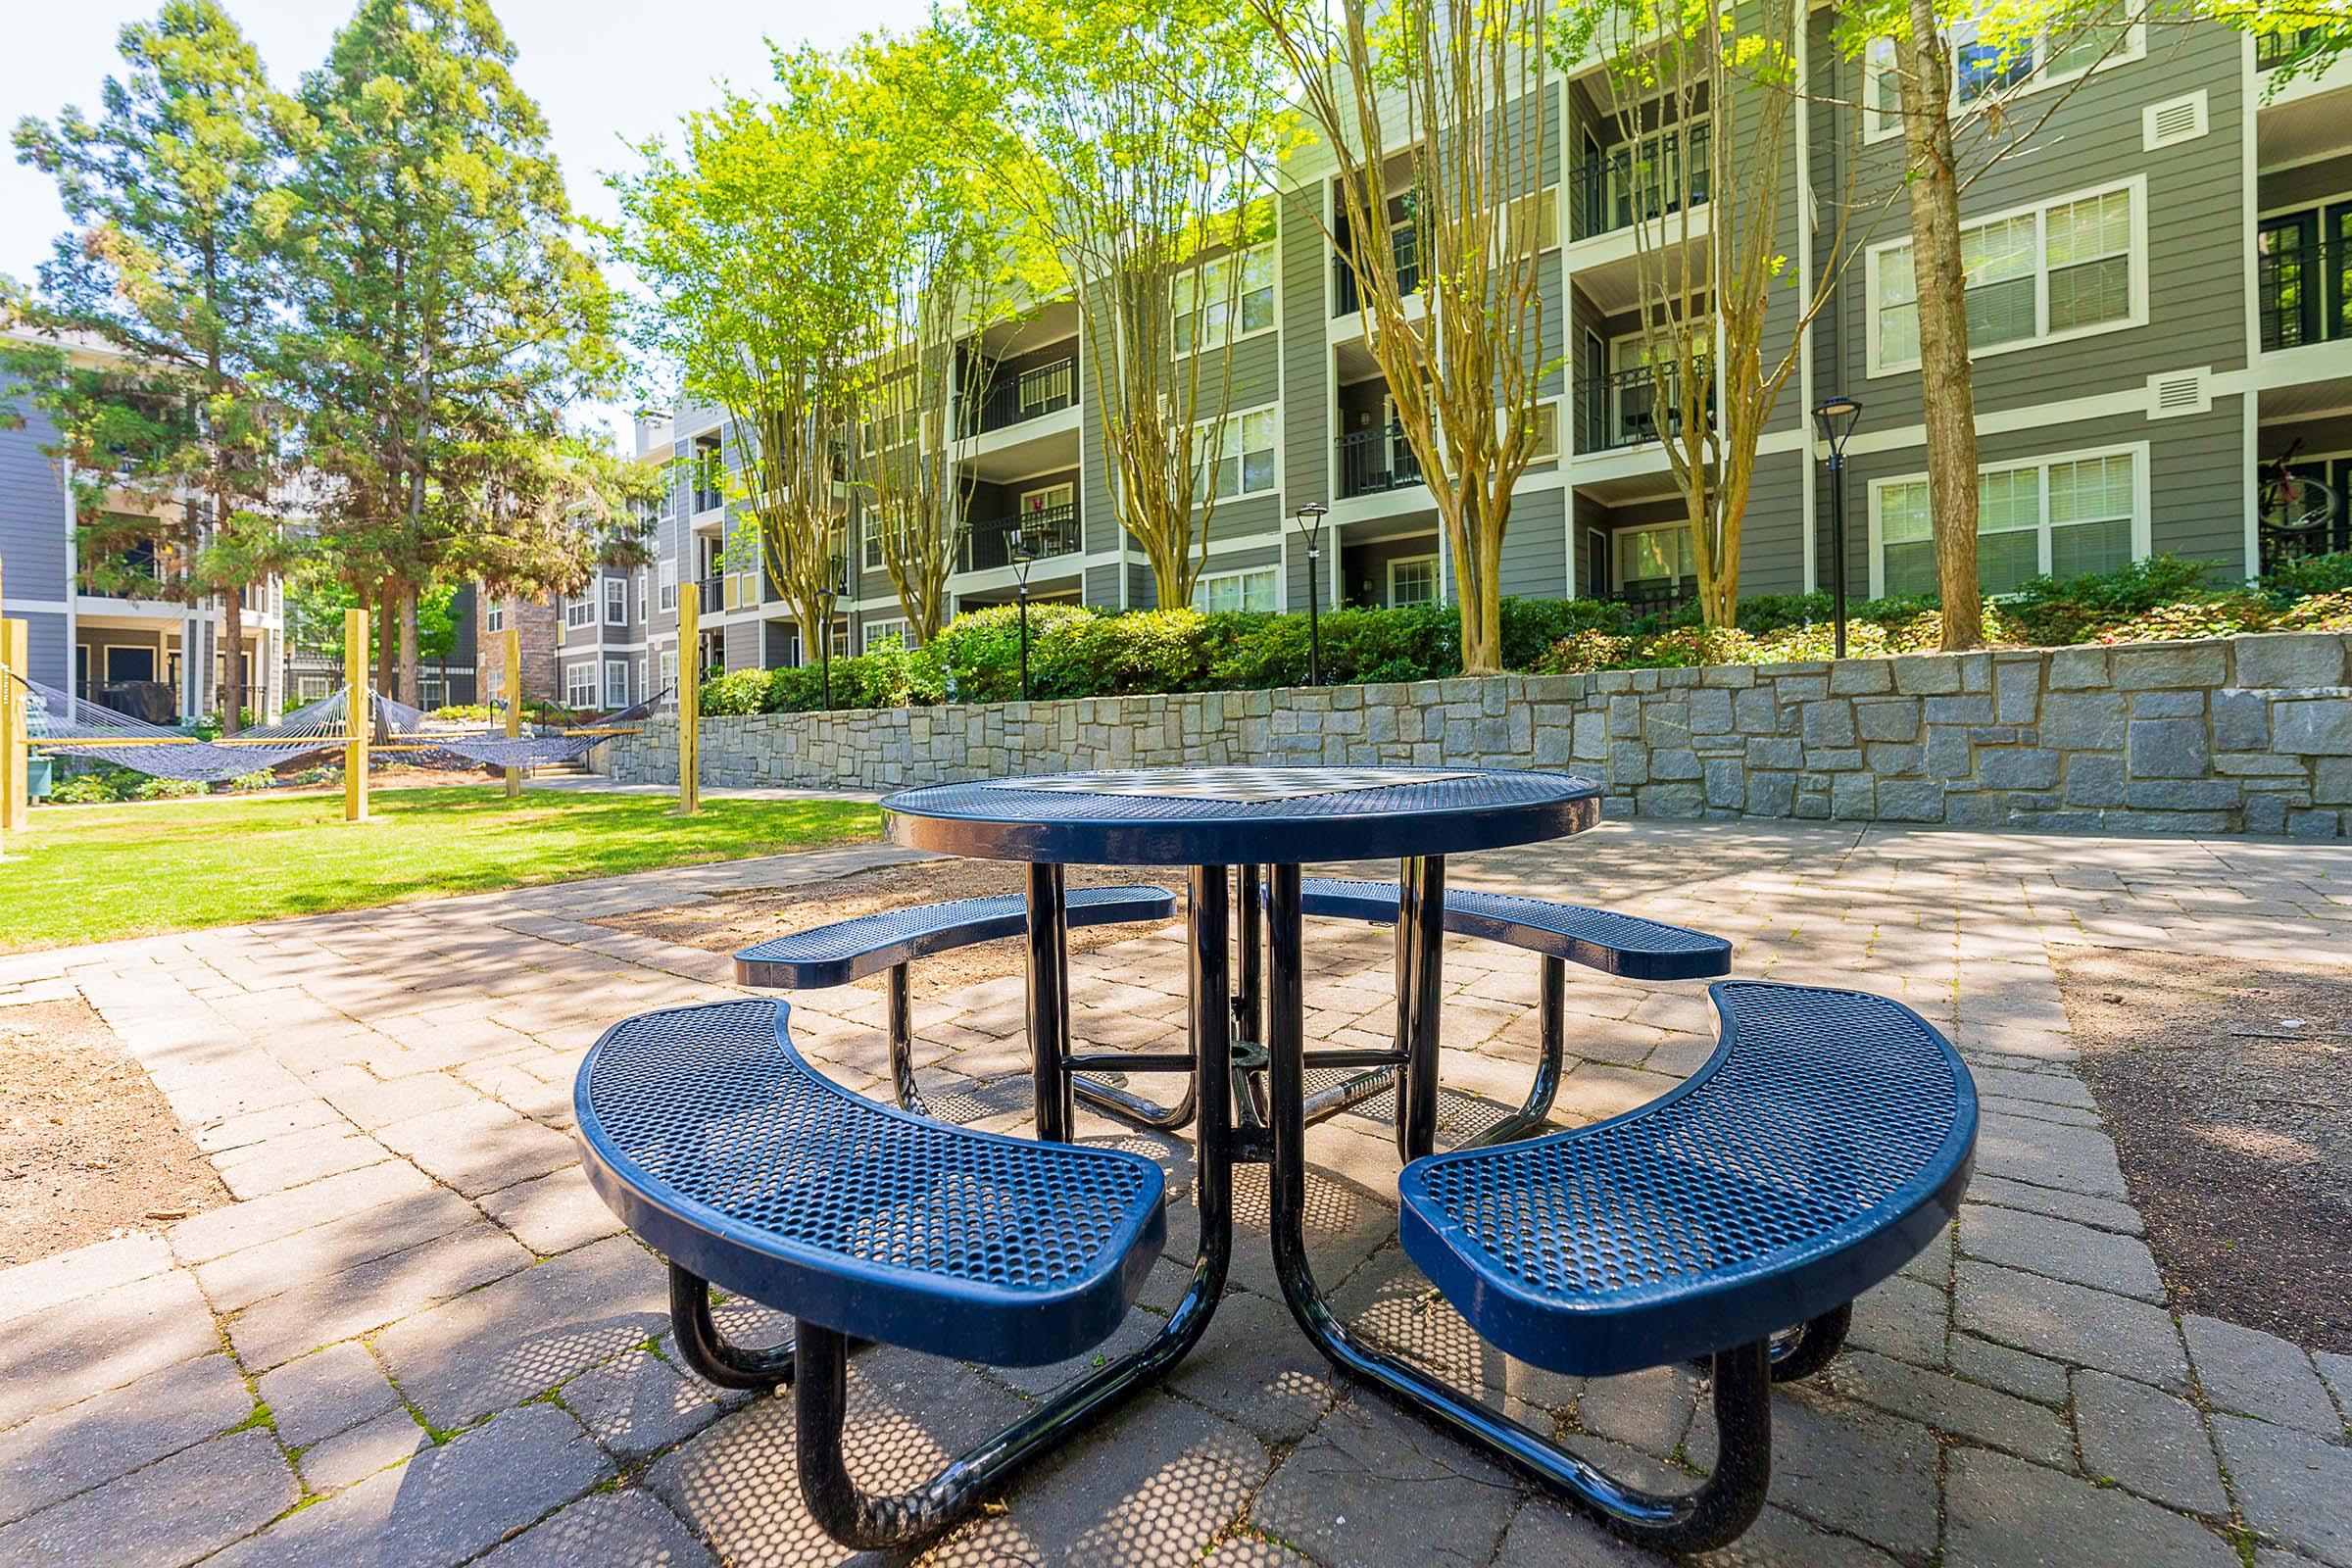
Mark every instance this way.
x=712 y=592
x=1622 y=410
x=1375 y=461
x=1406 y=241
x=1037 y=535
x=2303 y=290
x=1030 y=395
x=1661 y=596
x=1644 y=180
x=2274 y=49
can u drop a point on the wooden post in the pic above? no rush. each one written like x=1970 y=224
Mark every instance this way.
x=16 y=659
x=359 y=715
x=690 y=700
x=514 y=695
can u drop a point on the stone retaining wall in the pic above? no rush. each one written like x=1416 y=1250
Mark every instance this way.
x=2238 y=735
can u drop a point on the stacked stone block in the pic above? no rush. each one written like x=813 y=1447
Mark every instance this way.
x=2240 y=735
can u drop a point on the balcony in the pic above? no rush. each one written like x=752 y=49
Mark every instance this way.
x=2274 y=49
x=1621 y=410
x=1644 y=180
x=1031 y=395
x=2303 y=292
x=1038 y=535
x=1406 y=242
x=1376 y=461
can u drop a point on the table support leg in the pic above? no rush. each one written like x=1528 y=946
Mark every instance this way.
x=902 y=1042
x=1715 y=1512
x=874 y=1521
x=1050 y=1005
x=1420 y=979
x=1551 y=1034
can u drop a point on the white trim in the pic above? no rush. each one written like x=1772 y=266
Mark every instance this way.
x=2138 y=262
x=1231 y=421
x=1231 y=338
x=605 y=590
x=2198 y=106
x=2042 y=464
x=1437 y=587
x=2135 y=48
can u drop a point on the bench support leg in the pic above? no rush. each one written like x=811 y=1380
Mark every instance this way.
x=872 y=1523
x=1812 y=1348
x=707 y=1351
x=902 y=1042
x=1049 y=1003
x=1714 y=1513
x=1551 y=1033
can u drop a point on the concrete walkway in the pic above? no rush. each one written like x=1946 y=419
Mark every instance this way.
x=418 y=1339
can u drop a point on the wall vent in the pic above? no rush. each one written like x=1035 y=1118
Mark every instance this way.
x=2180 y=392
x=2176 y=120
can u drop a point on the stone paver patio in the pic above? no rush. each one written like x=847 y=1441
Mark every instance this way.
x=418 y=1339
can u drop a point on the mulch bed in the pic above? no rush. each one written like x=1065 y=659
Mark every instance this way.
x=2227 y=1087
x=88 y=1149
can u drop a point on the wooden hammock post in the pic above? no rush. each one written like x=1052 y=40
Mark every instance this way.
x=513 y=694
x=690 y=700
x=359 y=715
x=15 y=648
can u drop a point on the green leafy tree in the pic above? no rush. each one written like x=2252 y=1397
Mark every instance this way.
x=443 y=316
x=155 y=318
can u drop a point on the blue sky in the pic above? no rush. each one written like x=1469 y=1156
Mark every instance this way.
x=607 y=73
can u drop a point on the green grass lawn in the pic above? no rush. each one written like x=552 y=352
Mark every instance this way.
x=91 y=873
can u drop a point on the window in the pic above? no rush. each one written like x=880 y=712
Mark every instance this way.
x=1251 y=590
x=669 y=675
x=643 y=690
x=1207 y=301
x=617 y=601
x=1980 y=67
x=2059 y=270
x=1236 y=453
x=874 y=633
x=869 y=534
x=1985 y=70
x=616 y=684
x=1546 y=419
x=2059 y=516
x=494 y=616
x=579 y=687
x=1882 y=92
x=668 y=597
x=1412 y=580
x=310 y=688
x=1659 y=552
x=642 y=576
x=1533 y=222
x=579 y=609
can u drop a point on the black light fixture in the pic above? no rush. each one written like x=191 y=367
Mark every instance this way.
x=1309 y=522
x=1837 y=416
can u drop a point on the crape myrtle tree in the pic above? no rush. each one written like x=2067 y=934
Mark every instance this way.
x=1966 y=86
x=169 y=276
x=1128 y=135
x=442 y=312
x=761 y=240
x=1434 y=115
x=1712 y=219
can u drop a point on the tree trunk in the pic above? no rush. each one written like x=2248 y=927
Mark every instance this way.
x=1923 y=67
x=232 y=667
x=384 y=601
x=409 y=691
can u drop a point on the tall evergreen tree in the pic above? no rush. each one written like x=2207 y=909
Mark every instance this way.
x=444 y=315
x=171 y=271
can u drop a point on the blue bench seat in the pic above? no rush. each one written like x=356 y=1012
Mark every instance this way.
x=1823 y=1145
x=1623 y=945
x=715 y=1141
x=849 y=951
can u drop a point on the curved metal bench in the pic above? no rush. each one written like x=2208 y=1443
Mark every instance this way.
x=849 y=951
x=1824 y=1145
x=1561 y=934
x=711 y=1137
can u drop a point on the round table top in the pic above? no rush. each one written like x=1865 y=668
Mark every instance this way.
x=1242 y=816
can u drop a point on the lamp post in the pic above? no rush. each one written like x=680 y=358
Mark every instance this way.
x=1837 y=416
x=1023 y=548
x=1309 y=522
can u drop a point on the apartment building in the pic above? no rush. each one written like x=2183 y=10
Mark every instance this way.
x=2161 y=304
x=140 y=651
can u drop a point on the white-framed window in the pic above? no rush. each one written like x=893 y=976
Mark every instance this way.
x=1237 y=453
x=1412 y=580
x=1253 y=589
x=669 y=675
x=494 y=616
x=1533 y=222
x=579 y=686
x=667 y=580
x=1657 y=553
x=869 y=536
x=310 y=688
x=1234 y=288
x=579 y=609
x=873 y=634
x=1983 y=69
x=616 y=684
x=643 y=578
x=1546 y=417
x=617 y=601
x=643 y=690
x=2060 y=516
x=2040 y=274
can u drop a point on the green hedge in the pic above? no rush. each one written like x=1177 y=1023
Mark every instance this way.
x=1085 y=653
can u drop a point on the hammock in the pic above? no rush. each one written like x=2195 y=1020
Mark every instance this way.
x=415 y=737
x=65 y=725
